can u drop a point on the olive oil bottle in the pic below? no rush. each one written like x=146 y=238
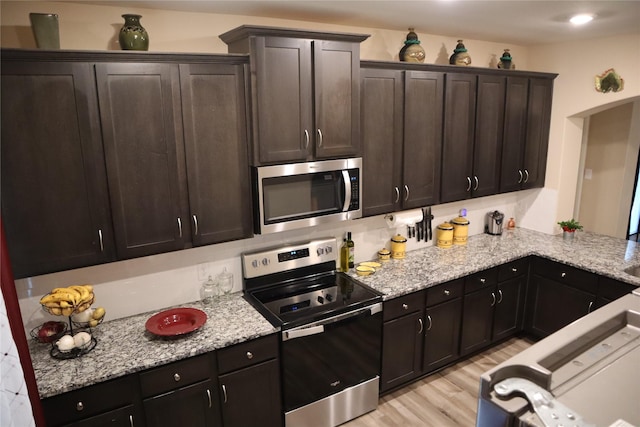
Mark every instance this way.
x=352 y=249
x=344 y=256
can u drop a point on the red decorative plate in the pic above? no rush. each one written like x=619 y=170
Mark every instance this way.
x=177 y=321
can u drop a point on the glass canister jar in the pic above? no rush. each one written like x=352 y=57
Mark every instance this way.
x=208 y=290
x=225 y=281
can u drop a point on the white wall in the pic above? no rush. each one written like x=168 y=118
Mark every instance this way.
x=152 y=283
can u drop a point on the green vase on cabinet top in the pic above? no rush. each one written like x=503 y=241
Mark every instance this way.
x=132 y=35
x=412 y=51
x=460 y=55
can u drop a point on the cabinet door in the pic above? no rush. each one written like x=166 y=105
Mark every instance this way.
x=424 y=92
x=251 y=396
x=215 y=138
x=401 y=350
x=477 y=318
x=442 y=334
x=457 y=150
x=509 y=308
x=123 y=417
x=191 y=406
x=382 y=110
x=337 y=99
x=55 y=205
x=489 y=125
x=283 y=128
x=537 y=140
x=553 y=305
x=515 y=126
x=140 y=111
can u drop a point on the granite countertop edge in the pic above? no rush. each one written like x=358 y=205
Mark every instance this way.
x=125 y=347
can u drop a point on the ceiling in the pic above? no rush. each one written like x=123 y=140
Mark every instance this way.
x=522 y=22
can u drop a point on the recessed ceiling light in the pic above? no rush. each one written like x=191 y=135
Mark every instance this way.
x=581 y=19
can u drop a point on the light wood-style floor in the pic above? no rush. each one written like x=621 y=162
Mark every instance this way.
x=446 y=399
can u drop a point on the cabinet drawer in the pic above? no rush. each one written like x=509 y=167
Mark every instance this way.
x=403 y=305
x=90 y=401
x=444 y=292
x=566 y=274
x=175 y=375
x=612 y=289
x=247 y=353
x=481 y=279
x=512 y=269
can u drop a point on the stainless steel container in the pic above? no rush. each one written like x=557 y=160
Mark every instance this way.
x=494 y=223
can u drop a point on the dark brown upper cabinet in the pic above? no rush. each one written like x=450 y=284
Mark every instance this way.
x=55 y=205
x=526 y=132
x=304 y=91
x=401 y=127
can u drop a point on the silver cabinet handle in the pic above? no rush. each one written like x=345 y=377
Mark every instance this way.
x=306 y=139
x=475 y=187
x=209 y=397
x=500 y=296
x=521 y=176
x=563 y=274
x=176 y=377
x=590 y=306
x=493 y=301
x=406 y=192
x=100 y=238
x=397 y=194
x=447 y=292
x=249 y=355
x=319 y=138
x=405 y=306
x=79 y=406
x=514 y=270
x=430 y=322
x=180 y=226
x=421 y=326
x=195 y=224
x=468 y=184
x=482 y=280
x=131 y=420
x=224 y=393
x=526 y=176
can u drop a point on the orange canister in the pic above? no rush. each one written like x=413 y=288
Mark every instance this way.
x=460 y=230
x=398 y=246
x=444 y=235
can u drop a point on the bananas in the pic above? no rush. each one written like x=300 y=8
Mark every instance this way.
x=69 y=300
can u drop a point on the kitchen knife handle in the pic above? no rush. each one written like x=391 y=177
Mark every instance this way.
x=195 y=224
x=306 y=139
x=319 y=138
x=421 y=326
x=397 y=194
x=475 y=187
x=180 y=226
x=224 y=393
x=521 y=176
x=406 y=192
x=468 y=184
x=526 y=176
x=100 y=237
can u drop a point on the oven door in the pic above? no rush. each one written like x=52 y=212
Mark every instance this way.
x=306 y=194
x=328 y=356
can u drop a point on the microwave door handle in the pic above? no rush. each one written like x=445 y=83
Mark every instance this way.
x=347 y=190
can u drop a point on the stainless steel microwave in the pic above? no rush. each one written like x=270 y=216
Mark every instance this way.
x=299 y=195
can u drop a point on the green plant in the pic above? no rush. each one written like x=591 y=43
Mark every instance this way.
x=571 y=225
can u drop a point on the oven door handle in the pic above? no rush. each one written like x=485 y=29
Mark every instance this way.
x=318 y=327
x=347 y=190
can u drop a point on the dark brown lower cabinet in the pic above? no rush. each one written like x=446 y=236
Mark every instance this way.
x=122 y=417
x=442 y=334
x=192 y=406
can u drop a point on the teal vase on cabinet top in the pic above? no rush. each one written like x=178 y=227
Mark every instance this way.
x=132 y=35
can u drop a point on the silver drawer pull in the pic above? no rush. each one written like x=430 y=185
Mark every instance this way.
x=405 y=306
x=563 y=274
x=447 y=292
x=249 y=355
x=79 y=406
x=176 y=377
x=483 y=280
x=513 y=269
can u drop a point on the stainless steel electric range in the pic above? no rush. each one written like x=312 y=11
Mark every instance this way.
x=331 y=331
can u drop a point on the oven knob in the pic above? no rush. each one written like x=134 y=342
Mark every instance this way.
x=254 y=263
x=265 y=261
x=329 y=297
x=320 y=299
x=329 y=249
x=320 y=251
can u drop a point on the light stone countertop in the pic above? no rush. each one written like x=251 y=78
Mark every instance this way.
x=124 y=346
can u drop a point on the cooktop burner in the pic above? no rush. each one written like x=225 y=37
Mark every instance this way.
x=297 y=284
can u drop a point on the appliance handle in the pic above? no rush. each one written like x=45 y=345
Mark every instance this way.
x=318 y=327
x=347 y=190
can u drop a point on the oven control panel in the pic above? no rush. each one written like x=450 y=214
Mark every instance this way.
x=276 y=260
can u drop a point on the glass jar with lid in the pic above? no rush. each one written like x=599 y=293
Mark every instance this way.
x=208 y=290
